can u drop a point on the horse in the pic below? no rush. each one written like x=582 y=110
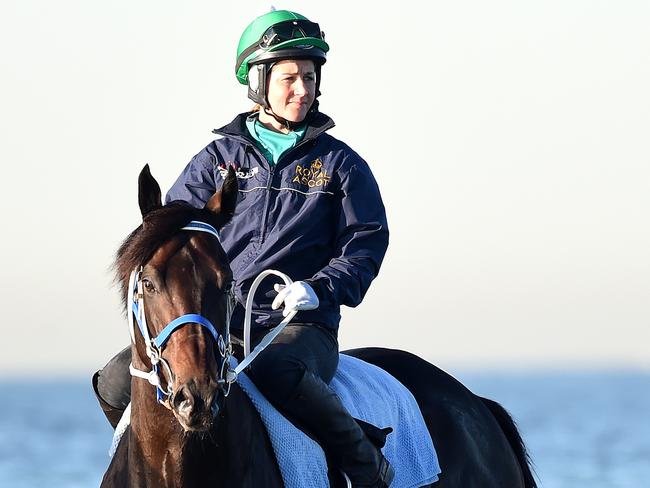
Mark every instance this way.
x=201 y=429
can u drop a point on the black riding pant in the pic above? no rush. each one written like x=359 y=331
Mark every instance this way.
x=276 y=371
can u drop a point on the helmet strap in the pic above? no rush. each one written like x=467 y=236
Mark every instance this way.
x=281 y=120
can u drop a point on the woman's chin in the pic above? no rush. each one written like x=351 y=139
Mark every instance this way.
x=296 y=115
x=295 y=118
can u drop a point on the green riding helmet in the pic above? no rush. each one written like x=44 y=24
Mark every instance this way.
x=273 y=37
x=277 y=35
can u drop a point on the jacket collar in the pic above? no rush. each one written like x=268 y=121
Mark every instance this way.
x=318 y=124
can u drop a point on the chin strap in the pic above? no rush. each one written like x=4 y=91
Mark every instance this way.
x=287 y=123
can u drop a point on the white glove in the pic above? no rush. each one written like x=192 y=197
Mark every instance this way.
x=297 y=296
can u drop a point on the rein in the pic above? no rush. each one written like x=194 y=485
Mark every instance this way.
x=268 y=338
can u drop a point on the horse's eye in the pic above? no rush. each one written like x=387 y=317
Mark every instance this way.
x=148 y=285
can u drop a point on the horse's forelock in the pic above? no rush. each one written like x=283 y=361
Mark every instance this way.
x=158 y=227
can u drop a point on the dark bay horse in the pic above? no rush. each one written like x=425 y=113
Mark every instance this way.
x=202 y=430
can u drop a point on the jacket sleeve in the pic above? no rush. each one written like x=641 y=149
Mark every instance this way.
x=196 y=184
x=362 y=239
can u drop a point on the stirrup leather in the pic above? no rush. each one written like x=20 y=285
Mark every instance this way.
x=384 y=479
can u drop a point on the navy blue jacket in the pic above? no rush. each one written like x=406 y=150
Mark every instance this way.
x=317 y=216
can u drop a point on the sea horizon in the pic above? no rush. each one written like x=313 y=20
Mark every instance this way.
x=583 y=429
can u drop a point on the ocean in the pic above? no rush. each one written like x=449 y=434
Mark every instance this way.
x=583 y=429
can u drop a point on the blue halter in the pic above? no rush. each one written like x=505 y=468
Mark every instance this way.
x=155 y=345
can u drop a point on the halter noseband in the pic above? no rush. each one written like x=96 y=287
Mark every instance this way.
x=154 y=346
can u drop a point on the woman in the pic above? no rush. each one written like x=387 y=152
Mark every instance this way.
x=309 y=207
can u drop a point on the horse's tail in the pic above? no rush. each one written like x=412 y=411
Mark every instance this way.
x=509 y=428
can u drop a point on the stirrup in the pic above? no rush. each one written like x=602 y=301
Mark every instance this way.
x=385 y=478
x=348 y=482
x=386 y=474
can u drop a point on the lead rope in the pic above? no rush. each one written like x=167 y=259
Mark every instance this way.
x=268 y=338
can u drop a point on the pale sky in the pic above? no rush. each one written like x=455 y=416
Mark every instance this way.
x=509 y=139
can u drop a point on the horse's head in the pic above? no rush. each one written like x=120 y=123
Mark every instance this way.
x=175 y=281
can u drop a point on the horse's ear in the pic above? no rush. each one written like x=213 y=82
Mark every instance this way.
x=149 y=196
x=223 y=202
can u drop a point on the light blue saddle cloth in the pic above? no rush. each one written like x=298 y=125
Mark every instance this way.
x=371 y=394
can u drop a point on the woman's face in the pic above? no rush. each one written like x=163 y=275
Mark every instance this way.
x=292 y=88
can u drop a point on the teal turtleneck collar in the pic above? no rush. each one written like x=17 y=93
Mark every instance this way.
x=273 y=144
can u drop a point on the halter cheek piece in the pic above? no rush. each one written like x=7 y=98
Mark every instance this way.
x=154 y=346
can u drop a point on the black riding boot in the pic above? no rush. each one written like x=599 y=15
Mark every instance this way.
x=316 y=407
x=112 y=386
x=113 y=414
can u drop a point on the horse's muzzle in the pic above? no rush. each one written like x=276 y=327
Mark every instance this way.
x=193 y=405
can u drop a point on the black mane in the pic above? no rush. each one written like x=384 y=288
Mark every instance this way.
x=158 y=227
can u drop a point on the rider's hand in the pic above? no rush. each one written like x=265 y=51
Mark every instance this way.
x=297 y=296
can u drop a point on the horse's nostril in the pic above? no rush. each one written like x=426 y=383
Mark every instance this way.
x=192 y=406
x=183 y=401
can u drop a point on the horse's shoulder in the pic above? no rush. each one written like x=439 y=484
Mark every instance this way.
x=117 y=473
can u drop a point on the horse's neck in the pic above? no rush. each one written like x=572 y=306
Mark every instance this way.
x=160 y=454
x=236 y=453
x=154 y=454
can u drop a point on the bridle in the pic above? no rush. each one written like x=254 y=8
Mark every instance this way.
x=155 y=345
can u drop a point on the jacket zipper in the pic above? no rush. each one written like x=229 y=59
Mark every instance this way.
x=267 y=201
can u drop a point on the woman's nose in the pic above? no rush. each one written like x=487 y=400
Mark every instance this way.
x=300 y=87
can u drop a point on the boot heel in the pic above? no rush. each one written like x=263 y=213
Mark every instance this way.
x=386 y=474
